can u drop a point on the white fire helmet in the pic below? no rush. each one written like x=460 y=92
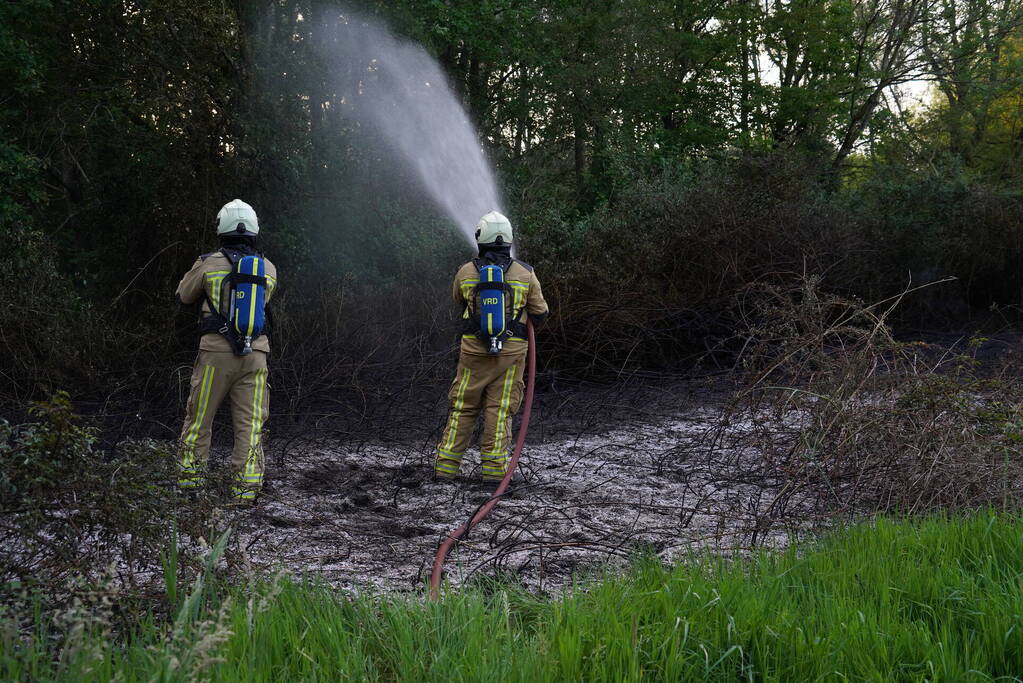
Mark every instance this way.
x=494 y=228
x=237 y=217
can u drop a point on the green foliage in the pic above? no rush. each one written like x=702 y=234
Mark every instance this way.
x=65 y=501
x=948 y=223
x=21 y=66
x=659 y=270
x=38 y=457
x=117 y=110
x=21 y=191
x=886 y=600
x=702 y=144
x=813 y=45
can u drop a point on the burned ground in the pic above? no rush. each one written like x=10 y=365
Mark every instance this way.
x=608 y=471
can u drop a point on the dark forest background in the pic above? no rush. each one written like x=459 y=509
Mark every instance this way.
x=658 y=160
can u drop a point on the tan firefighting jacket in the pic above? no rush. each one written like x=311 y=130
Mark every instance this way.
x=207 y=275
x=527 y=299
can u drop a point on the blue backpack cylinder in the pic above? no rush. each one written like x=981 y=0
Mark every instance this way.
x=247 y=314
x=492 y=306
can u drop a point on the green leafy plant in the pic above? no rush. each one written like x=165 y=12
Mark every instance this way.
x=68 y=507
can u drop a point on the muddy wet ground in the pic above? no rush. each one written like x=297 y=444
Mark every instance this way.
x=607 y=472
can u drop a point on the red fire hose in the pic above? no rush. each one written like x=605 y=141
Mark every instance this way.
x=484 y=510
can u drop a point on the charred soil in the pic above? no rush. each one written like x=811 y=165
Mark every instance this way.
x=608 y=472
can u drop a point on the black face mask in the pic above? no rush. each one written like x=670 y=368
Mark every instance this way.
x=495 y=253
x=243 y=243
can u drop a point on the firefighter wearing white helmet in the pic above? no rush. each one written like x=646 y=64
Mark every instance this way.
x=491 y=362
x=230 y=363
x=237 y=217
x=494 y=229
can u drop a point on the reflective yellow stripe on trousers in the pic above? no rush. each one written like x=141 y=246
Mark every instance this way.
x=502 y=412
x=456 y=411
x=201 y=405
x=251 y=475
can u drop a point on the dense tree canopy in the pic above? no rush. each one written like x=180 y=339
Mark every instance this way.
x=126 y=124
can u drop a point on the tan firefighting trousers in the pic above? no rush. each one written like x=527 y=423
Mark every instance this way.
x=490 y=383
x=216 y=375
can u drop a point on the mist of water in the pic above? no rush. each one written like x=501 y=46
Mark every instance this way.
x=395 y=87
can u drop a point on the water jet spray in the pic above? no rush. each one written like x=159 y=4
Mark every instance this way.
x=398 y=90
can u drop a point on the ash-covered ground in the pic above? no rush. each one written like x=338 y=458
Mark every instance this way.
x=607 y=472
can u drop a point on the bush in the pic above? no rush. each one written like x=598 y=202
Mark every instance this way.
x=651 y=278
x=931 y=224
x=69 y=508
x=852 y=420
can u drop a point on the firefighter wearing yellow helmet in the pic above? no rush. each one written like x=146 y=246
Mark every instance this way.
x=491 y=359
x=232 y=286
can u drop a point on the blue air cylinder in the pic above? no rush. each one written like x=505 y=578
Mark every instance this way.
x=249 y=300
x=491 y=305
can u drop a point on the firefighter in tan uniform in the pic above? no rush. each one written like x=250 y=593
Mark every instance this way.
x=485 y=380
x=222 y=369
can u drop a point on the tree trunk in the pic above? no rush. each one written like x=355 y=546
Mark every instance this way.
x=477 y=105
x=580 y=150
x=522 y=113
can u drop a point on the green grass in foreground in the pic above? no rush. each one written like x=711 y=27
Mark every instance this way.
x=931 y=600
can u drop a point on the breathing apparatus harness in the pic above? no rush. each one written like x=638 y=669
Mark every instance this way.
x=243 y=296
x=493 y=298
